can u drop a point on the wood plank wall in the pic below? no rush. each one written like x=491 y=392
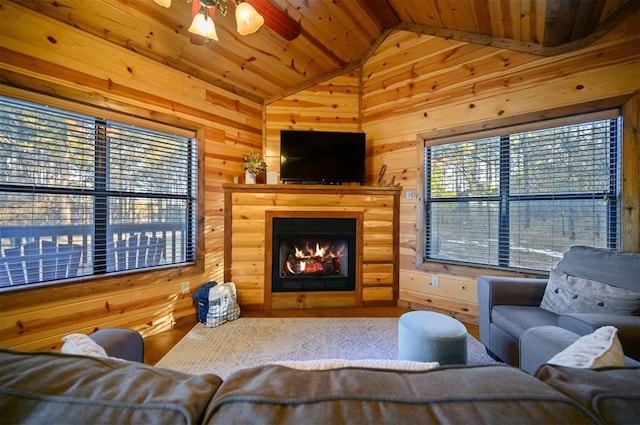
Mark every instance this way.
x=52 y=58
x=333 y=105
x=417 y=85
x=412 y=85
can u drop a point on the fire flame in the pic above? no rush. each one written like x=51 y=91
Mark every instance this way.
x=319 y=252
x=325 y=258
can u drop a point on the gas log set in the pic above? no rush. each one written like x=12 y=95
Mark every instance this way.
x=319 y=258
x=313 y=254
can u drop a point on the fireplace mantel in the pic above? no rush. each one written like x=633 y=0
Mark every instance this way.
x=315 y=188
x=247 y=208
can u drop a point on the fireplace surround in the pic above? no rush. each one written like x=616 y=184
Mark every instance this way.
x=249 y=211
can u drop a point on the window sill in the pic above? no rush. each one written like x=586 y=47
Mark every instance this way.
x=458 y=269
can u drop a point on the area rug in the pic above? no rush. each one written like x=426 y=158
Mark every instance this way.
x=249 y=342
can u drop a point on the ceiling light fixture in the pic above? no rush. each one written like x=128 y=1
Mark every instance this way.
x=247 y=18
x=203 y=25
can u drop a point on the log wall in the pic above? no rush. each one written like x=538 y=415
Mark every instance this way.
x=418 y=86
x=51 y=58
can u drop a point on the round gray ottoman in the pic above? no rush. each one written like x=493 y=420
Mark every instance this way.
x=426 y=336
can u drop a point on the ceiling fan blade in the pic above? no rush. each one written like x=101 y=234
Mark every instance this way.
x=276 y=19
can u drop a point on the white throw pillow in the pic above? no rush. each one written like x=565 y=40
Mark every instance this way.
x=602 y=348
x=326 y=364
x=83 y=345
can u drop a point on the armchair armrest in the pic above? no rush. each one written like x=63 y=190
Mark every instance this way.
x=511 y=290
x=494 y=290
x=123 y=343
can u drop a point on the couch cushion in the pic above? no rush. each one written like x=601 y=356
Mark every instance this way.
x=324 y=364
x=570 y=294
x=598 y=349
x=515 y=319
x=457 y=394
x=603 y=265
x=57 y=388
x=613 y=394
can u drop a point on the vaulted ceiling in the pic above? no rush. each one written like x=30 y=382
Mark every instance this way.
x=335 y=35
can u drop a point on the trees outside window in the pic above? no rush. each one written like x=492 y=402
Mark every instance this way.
x=124 y=196
x=522 y=199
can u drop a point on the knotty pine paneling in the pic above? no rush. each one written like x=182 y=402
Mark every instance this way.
x=412 y=85
x=333 y=105
x=40 y=54
x=334 y=36
x=417 y=85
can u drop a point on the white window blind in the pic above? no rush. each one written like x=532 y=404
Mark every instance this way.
x=520 y=200
x=80 y=195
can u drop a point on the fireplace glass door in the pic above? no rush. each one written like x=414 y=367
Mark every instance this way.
x=313 y=254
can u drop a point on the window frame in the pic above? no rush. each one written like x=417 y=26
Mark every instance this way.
x=148 y=120
x=498 y=128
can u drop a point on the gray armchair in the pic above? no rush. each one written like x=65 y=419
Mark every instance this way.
x=123 y=343
x=507 y=307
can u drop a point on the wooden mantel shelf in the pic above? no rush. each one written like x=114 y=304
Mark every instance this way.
x=247 y=208
x=305 y=188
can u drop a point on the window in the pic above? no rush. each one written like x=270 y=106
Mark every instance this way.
x=85 y=196
x=520 y=199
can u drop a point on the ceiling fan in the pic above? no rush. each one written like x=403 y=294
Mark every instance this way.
x=250 y=16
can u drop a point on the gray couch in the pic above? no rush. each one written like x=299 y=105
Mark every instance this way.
x=54 y=388
x=508 y=307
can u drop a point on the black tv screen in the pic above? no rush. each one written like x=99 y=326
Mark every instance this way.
x=322 y=157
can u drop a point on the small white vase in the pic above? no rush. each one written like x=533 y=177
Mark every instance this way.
x=249 y=178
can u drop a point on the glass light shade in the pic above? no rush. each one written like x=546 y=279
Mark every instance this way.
x=163 y=3
x=247 y=18
x=203 y=25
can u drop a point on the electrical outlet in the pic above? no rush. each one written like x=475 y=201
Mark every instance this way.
x=186 y=287
x=435 y=281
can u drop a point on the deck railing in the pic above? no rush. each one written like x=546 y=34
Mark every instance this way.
x=30 y=254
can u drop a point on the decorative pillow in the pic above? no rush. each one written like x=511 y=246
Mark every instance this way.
x=599 y=349
x=569 y=294
x=83 y=345
x=326 y=364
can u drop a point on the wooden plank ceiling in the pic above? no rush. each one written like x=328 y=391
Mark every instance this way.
x=335 y=35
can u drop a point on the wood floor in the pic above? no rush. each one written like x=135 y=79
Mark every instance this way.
x=157 y=346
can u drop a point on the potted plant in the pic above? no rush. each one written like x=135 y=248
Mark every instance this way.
x=253 y=165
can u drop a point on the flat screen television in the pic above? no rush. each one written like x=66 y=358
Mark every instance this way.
x=322 y=157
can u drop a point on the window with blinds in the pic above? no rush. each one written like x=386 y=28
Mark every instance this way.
x=82 y=196
x=520 y=199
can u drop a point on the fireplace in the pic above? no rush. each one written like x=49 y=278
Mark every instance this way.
x=248 y=239
x=313 y=254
